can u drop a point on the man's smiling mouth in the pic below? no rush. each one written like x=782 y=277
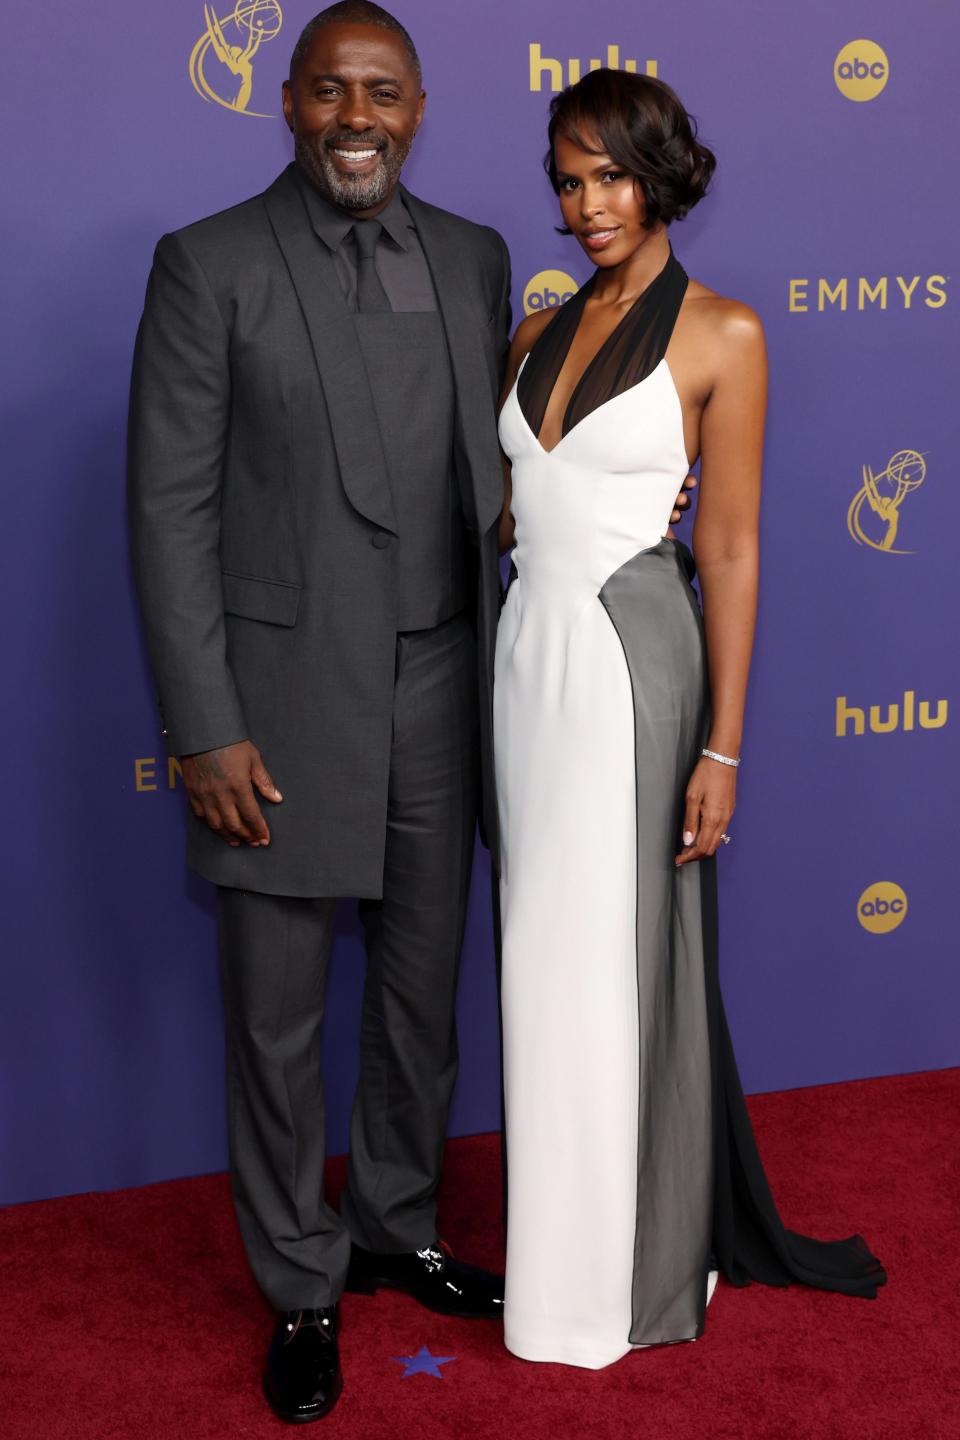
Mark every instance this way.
x=355 y=155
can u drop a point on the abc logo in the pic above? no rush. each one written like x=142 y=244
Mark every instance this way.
x=861 y=70
x=881 y=907
x=549 y=288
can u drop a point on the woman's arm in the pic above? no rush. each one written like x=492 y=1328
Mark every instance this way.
x=725 y=543
x=527 y=333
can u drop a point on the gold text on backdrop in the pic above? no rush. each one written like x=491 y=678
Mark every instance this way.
x=548 y=289
x=542 y=65
x=840 y=294
x=149 y=773
x=886 y=719
x=882 y=907
x=861 y=70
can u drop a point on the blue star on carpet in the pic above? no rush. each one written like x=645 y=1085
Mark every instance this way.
x=423 y=1363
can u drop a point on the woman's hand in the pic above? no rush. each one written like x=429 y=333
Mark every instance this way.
x=710 y=802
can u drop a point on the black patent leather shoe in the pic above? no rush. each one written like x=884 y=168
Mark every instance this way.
x=431 y=1276
x=302 y=1379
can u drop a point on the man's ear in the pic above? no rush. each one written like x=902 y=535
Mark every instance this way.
x=287 y=102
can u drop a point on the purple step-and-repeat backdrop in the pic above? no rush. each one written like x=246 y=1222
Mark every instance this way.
x=833 y=214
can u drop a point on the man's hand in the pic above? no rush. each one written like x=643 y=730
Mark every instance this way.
x=219 y=784
x=682 y=503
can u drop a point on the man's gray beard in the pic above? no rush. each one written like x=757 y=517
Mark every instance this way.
x=351 y=192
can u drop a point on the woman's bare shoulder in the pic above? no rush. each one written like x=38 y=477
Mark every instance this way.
x=719 y=321
x=528 y=332
x=526 y=335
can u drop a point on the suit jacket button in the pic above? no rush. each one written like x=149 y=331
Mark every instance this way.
x=381 y=540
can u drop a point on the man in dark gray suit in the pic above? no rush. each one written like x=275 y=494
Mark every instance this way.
x=315 y=484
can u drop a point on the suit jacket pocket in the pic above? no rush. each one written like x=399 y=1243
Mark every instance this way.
x=276 y=602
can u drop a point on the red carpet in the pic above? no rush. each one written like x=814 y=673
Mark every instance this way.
x=131 y=1316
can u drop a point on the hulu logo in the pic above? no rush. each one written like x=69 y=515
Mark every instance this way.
x=885 y=719
x=541 y=65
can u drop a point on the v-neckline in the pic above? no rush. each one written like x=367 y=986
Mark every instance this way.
x=582 y=296
x=590 y=413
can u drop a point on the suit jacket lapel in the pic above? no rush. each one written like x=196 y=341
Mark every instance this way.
x=363 y=468
x=464 y=326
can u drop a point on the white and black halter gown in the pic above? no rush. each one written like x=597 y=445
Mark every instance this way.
x=632 y=1168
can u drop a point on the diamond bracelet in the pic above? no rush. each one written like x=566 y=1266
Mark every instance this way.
x=724 y=759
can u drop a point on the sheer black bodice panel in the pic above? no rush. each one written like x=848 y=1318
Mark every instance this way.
x=629 y=354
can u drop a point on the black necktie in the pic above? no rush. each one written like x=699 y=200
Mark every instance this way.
x=371 y=296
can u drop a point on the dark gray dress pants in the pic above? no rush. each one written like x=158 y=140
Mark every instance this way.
x=274 y=953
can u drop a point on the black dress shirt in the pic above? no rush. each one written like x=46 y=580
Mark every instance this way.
x=400 y=261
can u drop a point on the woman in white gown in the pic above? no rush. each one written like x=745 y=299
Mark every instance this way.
x=632 y=1171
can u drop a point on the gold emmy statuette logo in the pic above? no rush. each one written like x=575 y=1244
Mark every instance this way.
x=549 y=288
x=883 y=494
x=248 y=25
x=861 y=70
x=882 y=907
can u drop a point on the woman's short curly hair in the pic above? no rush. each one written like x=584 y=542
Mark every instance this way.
x=639 y=122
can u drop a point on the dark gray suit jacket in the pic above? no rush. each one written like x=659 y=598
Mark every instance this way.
x=263 y=529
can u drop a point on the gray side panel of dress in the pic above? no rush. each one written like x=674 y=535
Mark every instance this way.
x=654 y=610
